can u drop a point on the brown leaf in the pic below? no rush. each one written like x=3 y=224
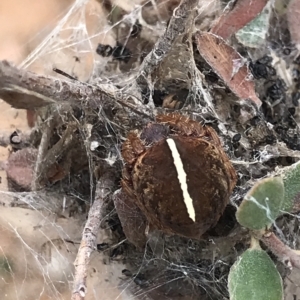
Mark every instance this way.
x=228 y=64
x=293 y=14
x=242 y=13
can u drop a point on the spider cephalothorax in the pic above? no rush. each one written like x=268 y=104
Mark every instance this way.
x=177 y=175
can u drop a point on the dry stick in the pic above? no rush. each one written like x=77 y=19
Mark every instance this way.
x=42 y=150
x=87 y=246
x=88 y=243
x=287 y=255
x=47 y=158
x=177 y=26
x=26 y=90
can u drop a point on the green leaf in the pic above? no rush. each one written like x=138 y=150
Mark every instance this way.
x=262 y=204
x=291 y=180
x=254 y=277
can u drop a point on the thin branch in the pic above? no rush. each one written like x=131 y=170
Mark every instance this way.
x=47 y=158
x=27 y=90
x=285 y=254
x=42 y=150
x=88 y=243
x=87 y=246
x=177 y=26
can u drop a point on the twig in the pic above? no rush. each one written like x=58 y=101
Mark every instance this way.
x=43 y=147
x=87 y=246
x=177 y=26
x=49 y=158
x=88 y=243
x=61 y=72
x=287 y=255
x=27 y=90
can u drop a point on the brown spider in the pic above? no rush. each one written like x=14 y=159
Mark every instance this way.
x=177 y=179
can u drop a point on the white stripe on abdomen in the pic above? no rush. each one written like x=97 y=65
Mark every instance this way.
x=182 y=179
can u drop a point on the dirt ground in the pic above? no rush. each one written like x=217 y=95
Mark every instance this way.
x=22 y=26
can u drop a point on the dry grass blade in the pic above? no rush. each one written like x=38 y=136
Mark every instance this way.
x=228 y=64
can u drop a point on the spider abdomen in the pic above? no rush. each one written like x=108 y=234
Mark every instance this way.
x=177 y=175
x=187 y=208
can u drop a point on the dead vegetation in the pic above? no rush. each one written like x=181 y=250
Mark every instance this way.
x=156 y=57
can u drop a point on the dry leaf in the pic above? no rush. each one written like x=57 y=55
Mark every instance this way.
x=242 y=13
x=228 y=64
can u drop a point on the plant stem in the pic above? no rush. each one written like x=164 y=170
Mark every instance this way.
x=286 y=254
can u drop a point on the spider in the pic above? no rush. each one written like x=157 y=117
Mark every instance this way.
x=176 y=179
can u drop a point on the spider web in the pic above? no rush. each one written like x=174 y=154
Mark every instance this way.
x=44 y=227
